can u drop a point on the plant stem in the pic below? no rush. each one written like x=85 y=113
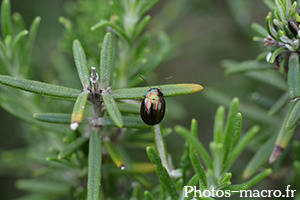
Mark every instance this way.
x=96 y=110
x=160 y=145
x=96 y=101
x=95 y=81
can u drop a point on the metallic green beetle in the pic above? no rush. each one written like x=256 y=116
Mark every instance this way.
x=153 y=105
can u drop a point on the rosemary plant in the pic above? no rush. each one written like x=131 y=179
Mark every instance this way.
x=277 y=66
x=80 y=133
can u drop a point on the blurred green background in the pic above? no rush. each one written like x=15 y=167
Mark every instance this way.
x=202 y=34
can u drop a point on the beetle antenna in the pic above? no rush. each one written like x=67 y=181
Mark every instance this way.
x=165 y=80
x=145 y=81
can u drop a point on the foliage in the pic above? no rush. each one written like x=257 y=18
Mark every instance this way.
x=90 y=159
x=281 y=53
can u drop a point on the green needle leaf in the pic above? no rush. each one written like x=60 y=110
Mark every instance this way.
x=216 y=150
x=60 y=118
x=267 y=77
x=259 y=29
x=46 y=187
x=7 y=43
x=147 y=6
x=282 y=65
x=287 y=6
x=78 y=110
x=40 y=87
x=94 y=166
x=240 y=147
x=260 y=157
x=128 y=122
x=294 y=117
x=68 y=150
x=193 y=181
x=81 y=64
x=196 y=143
x=117 y=29
x=219 y=124
x=294 y=77
x=112 y=109
x=291 y=11
x=160 y=144
x=168 y=91
x=18 y=21
x=242 y=67
x=140 y=27
x=136 y=193
x=238 y=129
x=226 y=178
x=5 y=19
x=283 y=137
x=230 y=128
x=194 y=128
x=140 y=168
x=287 y=31
x=32 y=35
x=296 y=16
x=148 y=195
x=129 y=107
x=106 y=61
x=63 y=162
x=269 y=27
x=276 y=53
x=114 y=154
x=279 y=104
x=18 y=37
x=281 y=10
x=198 y=167
x=162 y=173
x=53 y=117
x=142 y=47
x=250 y=183
x=179 y=184
x=66 y=23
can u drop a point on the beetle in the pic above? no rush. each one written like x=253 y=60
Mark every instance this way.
x=153 y=105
